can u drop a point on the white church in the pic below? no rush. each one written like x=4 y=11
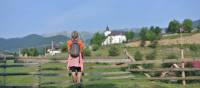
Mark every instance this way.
x=114 y=37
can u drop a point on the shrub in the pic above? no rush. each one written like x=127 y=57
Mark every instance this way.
x=194 y=47
x=113 y=51
x=147 y=65
x=142 y=43
x=166 y=65
x=87 y=52
x=98 y=53
x=138 y=56
x=153 y=44
x=95 y=47
x=64 y=48
x=172 y=56
x=151 y=56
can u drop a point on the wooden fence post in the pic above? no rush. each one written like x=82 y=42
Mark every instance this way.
x=133 y=60
x=4 y=71
x=39 y=74
x=183 y=66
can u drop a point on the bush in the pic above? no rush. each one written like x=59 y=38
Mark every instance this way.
x=95 y=47
x=172 y=56
x=87 y=52
x=113 y=51
x=98 y=53
x=166 y=65
x=194 y=47
x=147 y=65
x=138 y=56
x=153 y=44
x=64 y=48
x=142 y=43
x=151 y=56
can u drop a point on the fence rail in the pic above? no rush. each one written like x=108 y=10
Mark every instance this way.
x=164 y=69
x=115 y=63
x=169 y=78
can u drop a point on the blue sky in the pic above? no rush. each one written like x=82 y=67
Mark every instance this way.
x=22 y=17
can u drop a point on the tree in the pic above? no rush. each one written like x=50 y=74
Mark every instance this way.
x=157 y=30
x=30 y=52
x=198 y=27
x=97 y=39
x=24 y=51
x=173 y=26
x=155 y=35
x=150 y=35
x=33 y=52
x=187 y=25
x=143 y=36
x=143 y=33
x=129 y=35
x=64 y=48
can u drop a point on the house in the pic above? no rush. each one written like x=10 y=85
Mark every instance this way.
x=114 y=37
x=55 y=49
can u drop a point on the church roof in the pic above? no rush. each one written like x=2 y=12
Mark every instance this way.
x=117 y=32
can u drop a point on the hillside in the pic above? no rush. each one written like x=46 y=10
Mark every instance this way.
x=189 y=39
x=196 y=23
x=32 y=40
x=85 y=36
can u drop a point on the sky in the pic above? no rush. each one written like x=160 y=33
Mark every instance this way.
x=19 y=18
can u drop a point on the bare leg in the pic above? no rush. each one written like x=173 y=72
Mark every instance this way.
x=79 y=75
x=74 y=77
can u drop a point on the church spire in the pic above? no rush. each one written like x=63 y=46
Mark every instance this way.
x=107 y=28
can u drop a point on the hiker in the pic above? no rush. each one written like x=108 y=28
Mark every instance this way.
x=75 y=57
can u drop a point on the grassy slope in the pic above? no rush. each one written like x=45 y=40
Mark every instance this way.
x=188 y=38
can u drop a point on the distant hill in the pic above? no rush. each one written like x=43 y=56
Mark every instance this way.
x=85 y=36
x=196 y=23
x=32 y=40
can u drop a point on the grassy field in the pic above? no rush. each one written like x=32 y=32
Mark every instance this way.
x=65 y=81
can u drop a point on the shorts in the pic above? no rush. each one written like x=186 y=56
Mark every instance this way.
x=75 y=69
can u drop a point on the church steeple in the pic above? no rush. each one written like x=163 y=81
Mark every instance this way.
x=107 y=28
x=107 y=32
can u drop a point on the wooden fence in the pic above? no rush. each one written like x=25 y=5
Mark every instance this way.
x=123 y=63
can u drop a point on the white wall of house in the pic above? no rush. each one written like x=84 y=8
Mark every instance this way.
x=107 y=33
x=53 y=52
x=115 y=39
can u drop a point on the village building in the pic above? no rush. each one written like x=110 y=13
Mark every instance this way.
x=114 y=37
x=55 y=49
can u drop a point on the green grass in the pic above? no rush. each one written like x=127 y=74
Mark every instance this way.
x=164 y=51
x=65 y=81
x=177 y=35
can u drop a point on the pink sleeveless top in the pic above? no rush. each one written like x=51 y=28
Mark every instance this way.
x=77 y=62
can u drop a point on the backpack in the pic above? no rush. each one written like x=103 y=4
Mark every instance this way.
x=74 y=49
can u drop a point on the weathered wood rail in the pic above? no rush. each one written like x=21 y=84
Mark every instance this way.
x=164 y=69
x=115 y=63
x=85 y=60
